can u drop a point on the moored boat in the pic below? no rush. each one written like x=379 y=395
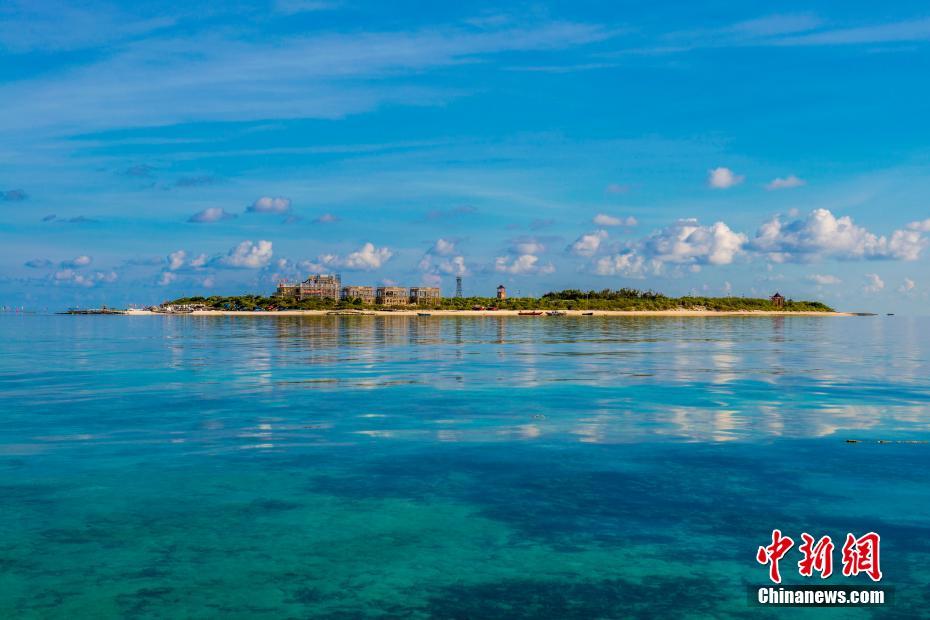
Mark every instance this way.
x=529 y=313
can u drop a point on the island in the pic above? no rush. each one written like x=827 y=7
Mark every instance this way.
x=323 y=295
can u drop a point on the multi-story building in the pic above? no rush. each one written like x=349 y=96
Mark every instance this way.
x=501 y=292
x=424 y=295
x=392 y=296
x=365 y=293
x=315 y=287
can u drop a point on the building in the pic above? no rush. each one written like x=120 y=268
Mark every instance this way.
x=315 y=287
x=392 y=296
x=777 y=300
x=501 y=292
x=287 y=289
x=365 y=293
x=424 y=295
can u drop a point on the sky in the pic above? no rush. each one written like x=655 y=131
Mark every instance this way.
x=150 y=150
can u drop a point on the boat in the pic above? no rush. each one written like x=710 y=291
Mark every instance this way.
x=529 y=313
x=587 y=314
x=555 y=313
x=424 y=314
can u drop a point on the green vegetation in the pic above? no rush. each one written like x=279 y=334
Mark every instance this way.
x=623 y=299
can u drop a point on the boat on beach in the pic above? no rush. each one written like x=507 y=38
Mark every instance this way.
x=555 y=313
x=529 y=313
x=587 y=314
x=424 y=314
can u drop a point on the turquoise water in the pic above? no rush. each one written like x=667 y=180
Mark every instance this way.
x=341 y=467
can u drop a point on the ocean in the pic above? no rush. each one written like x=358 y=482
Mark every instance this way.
x=426 y=467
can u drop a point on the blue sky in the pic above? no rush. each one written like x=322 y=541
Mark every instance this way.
x=152 y=150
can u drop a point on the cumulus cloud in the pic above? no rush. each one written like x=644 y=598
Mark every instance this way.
x=166 y=278
x=210 y=215
x=367 y=258
x=920 y=226
x=13 y=195
x=687 y=241
x=176 y=260
x=77 y=262
x=785 y=183
x=589 y=243
x=443 y=247
x=76 y=278
x=602 y=219
x=268 y=204
x=523 y=264
x=628 y=264
x=441 y=259
x=907 y=286
x=822 y=235
x=247 y=255
x=873 y=283
x=723 y=178
x=823 y=279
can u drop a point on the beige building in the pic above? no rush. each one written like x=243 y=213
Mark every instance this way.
x=392 y=296
x=365 y=293
x=424 y=295
x=315 y=287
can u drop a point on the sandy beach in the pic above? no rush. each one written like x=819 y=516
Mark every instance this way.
x=493 y=313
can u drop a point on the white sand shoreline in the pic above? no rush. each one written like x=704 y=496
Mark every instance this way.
x=496 y=313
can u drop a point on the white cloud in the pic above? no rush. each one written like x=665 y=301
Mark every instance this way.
x=70 y=276
x=824 y=279
x=77 y=262
x=439 y=260
x=176 y=260
x=629 y=264
x=873 y=283
x=528 y=246
x=210 y=215
x=367 y=258
x=327 y=218
x=785 y=183
x=723 y=178
x=198 y=261
x=166 y=278
x=247 y=255
x=822 y=234
x=602 y=219
x=921 y=226
x=523 y=264
x=907 y=286
x=268 y=204
x=588 y=244
x=687 y=241
x=443 y=247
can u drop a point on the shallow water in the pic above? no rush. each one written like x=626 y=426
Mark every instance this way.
x=445 y=467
